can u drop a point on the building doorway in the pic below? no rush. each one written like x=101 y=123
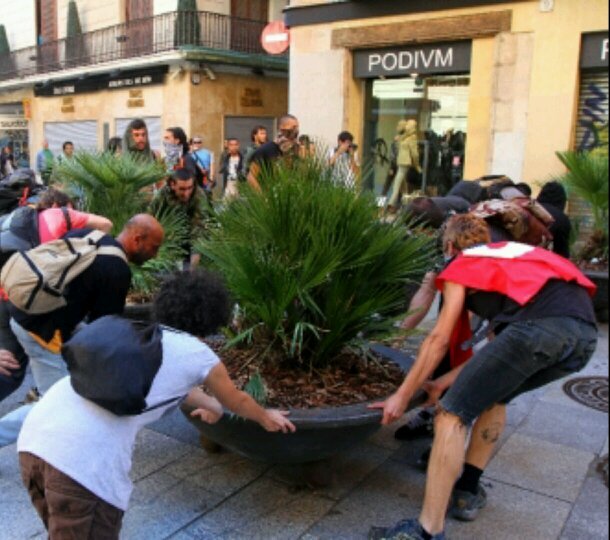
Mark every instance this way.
x=138 y=37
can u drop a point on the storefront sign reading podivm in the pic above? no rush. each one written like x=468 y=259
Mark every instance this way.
x=421 y=59
x=594 y=52
x=124 y=80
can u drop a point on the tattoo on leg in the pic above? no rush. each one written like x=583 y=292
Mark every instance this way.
x=492 y=434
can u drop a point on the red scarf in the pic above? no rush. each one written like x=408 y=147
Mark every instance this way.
x=518 y=271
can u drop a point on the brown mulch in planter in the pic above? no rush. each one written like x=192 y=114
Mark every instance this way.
x=349 y=379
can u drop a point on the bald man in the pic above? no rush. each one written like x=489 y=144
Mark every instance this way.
x=285 y=144
x=98 y=291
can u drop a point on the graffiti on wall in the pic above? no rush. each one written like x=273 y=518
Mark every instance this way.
x=594 y=116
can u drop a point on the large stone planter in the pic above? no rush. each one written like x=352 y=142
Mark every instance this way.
x=600 y=302
x=321 y=433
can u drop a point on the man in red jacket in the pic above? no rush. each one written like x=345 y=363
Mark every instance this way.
x=540 y=309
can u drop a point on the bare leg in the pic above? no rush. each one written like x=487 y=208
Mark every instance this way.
x=485 y=434
x=446 y=462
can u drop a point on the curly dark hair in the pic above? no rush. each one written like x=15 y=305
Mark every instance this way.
x=195 y=302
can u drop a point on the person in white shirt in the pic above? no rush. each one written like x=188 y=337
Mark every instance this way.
x=76 y=456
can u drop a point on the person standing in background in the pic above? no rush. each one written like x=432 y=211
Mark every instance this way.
x=7 y=161
x=259 y=137
x=204 y=161
x=67 y=152
x=344 y=160
x=232 y=169
x=44 y=162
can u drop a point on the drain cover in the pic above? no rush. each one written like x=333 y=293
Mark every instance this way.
x=589 y=391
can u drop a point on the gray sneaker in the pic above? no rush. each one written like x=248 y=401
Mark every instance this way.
x=408 y=529
x=465 y=506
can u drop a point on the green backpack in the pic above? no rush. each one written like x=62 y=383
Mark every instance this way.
x=36 y=280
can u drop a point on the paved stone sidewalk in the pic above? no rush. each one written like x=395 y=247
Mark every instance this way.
x=542 y=483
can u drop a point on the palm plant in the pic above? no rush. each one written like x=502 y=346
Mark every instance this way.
x=587 y=178
x=118 y=187
x=310 y=265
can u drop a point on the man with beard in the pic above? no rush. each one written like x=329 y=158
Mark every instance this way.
x=285 y=146
x=136 y=141
x=98 y=291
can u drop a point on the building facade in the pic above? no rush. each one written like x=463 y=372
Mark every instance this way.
x=497 y=87
x=204 y=71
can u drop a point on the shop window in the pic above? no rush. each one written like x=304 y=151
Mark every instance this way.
x=439 y=105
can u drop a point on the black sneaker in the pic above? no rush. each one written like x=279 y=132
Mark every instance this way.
x=409 y=529
x=420 y=423
x=465 y=505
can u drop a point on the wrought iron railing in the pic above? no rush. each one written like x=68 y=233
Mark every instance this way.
x=141 y=37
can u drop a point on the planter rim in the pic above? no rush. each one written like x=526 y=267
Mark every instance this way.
x=330 y=417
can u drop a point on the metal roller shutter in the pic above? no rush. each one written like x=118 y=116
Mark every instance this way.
x=592 y=108
x=82 y=134
x=155 y=132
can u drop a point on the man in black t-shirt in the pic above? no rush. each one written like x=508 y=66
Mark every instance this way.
x=544 y=330
x=553 y=198
x=285 y=144
x=98 y=291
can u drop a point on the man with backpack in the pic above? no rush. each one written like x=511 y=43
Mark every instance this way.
x=99 y=289
x=76 y=446
x=24 y=229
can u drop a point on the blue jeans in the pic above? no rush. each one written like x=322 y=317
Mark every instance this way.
x=525 y=356
x=47 y=369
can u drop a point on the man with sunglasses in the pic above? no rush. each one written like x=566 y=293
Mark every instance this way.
x=285 y=144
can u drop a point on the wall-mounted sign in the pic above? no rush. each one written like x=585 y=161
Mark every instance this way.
x=594 y=51
x=275 y=38
x=108 y=81
x=67 y=105
x=416 y=59
x=252 y=97
x=11 y=122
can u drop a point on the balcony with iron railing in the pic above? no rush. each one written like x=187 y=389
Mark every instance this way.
x=164 y=33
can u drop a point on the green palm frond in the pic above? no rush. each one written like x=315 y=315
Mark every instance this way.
x=587 y=178
x=310 y=264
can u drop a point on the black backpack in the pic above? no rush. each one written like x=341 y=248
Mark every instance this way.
x=113 y=362
x=17 y=188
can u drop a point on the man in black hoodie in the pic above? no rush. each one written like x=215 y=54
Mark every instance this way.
x=553 y=198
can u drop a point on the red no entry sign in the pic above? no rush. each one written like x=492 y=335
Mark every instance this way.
x=275 y=38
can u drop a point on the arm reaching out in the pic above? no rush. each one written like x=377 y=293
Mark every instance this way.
x=430 y=354
x=243 y=405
